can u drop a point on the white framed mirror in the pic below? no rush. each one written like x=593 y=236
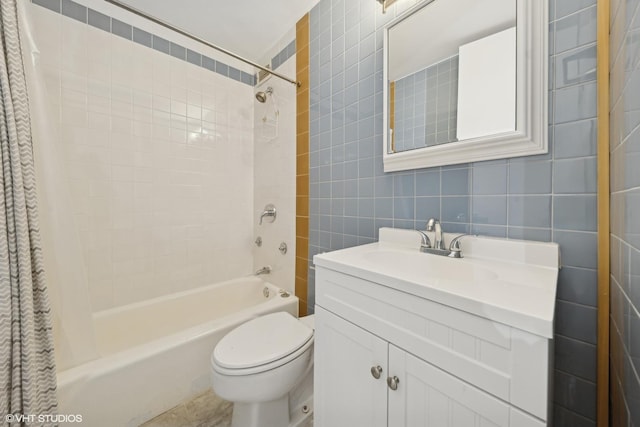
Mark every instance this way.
x=465 y=81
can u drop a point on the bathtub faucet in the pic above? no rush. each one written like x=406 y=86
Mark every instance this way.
x=269 y=212
x=264 y=270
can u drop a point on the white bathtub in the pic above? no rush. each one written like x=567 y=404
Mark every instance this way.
x=155 y=354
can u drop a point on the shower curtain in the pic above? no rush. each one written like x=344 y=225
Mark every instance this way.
x=67 y=280
x=27 y=366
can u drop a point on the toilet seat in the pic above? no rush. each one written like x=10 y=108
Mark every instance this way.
x=262 y=344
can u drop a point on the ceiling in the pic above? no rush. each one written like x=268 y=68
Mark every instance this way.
x=245 y=27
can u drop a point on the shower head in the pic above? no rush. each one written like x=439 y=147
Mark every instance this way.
x=262 y=96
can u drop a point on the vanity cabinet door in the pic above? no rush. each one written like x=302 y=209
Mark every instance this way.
x=429 y=397
x=346 y=392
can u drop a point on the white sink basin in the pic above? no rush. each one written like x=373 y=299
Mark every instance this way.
x=508 y=281
x=432 y=266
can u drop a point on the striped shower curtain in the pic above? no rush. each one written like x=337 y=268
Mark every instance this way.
x=27 y=367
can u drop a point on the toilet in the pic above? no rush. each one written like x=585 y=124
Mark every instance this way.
x=258 y=364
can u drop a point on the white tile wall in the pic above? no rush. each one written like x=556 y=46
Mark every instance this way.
x=275 y=179
x=159 y=156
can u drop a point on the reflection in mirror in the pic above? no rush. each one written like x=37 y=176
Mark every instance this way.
x=423 y=107
x=466 y=81
x=451 y=73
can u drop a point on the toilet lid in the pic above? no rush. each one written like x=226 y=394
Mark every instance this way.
x=261 y=341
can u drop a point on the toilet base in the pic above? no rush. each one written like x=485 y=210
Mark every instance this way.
x=263 y=414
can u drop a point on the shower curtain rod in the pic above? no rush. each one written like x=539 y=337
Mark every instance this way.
x=198 y=39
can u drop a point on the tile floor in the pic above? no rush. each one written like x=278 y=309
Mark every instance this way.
x=205 y=410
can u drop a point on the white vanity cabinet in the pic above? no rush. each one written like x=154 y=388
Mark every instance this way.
x=348 y=393
x=385 y=356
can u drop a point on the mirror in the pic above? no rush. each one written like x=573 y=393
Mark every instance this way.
x=466 y=80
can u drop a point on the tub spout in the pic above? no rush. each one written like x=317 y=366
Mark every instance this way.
x=264 y=270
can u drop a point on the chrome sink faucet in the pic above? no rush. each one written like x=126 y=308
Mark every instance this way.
x=434 y=225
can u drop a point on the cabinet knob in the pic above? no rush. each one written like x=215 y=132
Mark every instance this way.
x=393 y=382
x=376 y=371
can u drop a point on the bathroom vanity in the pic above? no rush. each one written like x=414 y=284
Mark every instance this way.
x=405 y=338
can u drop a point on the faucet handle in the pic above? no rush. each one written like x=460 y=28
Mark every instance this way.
x=454 y=247
x=425 y=241
x=269 y=212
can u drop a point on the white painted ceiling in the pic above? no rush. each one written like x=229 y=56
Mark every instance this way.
x=246 y=27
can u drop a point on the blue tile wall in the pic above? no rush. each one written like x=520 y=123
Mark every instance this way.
x=74 y=10
x=426 y=106
x=625 y=221
x=548 y=197
x=281 y=57
x=103 y=22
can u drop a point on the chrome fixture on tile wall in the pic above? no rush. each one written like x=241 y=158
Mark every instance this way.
x=283 y=248
x=262 y=96
x=264 y=270
x=269 y=212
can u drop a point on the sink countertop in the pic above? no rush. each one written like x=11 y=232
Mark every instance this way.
x=507 y=281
